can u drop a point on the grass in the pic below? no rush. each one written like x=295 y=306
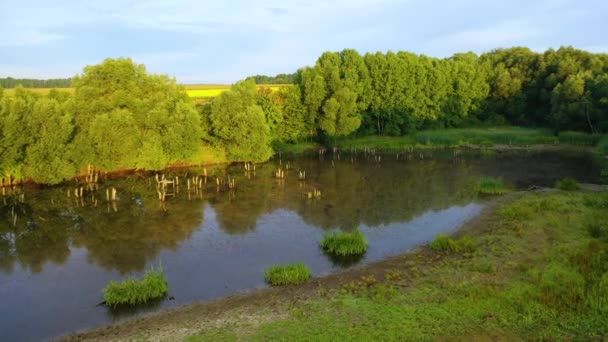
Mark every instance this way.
x=136 y=291
x=482 y=137
x=344 y=244
x=444 y=243
x=287 y=274
x=532 y=277
x=491 y=186
x=567 y=184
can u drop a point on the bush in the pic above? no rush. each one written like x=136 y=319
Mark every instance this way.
x=491 y=186
x=133 y=291
x=344 y=244
x=602 y=146
x=567 y=184
x=287 y=274
x=444 y=243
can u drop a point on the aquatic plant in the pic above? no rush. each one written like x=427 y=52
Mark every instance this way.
x=287 y=274
x=136 y=291
x=491 y=186
x=344 y=244
x=567 y=184
x=444 y=243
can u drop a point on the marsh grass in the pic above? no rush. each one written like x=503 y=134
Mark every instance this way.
x=567 y=184
x=287 y=274
x=344 y=244
x=444 y=243
x=491 y=186
x=136 y=291
x=545 y=282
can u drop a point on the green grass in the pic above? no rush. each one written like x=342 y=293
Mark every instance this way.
x=444 y=243
x=287 y=274
x=567 y=184
x=540 y=277
x=344 y=244
x=482 y=137
x=136 y=291
x=491 y=186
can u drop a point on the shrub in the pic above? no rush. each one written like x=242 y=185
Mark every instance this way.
x=567 y=184
x=491 y=186
x=287 y=274
x=444 y=243
x=134 y=291
x=344 y=244
x=602 y=146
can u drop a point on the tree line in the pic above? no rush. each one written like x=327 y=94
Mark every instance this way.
x=10 y=82
x=120 y=117
x=278 y=79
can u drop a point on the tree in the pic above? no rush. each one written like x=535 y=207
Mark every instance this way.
x=239 y=125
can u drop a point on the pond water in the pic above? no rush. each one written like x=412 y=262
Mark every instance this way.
x=58 y=252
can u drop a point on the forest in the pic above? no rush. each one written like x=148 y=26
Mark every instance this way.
x=10 y=82
x=121 y=118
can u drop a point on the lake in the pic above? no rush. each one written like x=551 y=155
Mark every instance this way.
x=57 y=252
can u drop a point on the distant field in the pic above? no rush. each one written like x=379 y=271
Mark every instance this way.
x=193 y=90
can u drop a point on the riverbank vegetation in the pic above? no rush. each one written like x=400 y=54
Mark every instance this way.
x=287 y=274
x=119 y=117
x=136 y=291
x=530 y=277
x=492 y=186
x=344 y=243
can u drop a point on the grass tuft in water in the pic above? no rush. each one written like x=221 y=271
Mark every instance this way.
x=344 y=244
x=287 y=274
x=491 y=186
x=567 y=184
x=444 y=243
x=136 y=291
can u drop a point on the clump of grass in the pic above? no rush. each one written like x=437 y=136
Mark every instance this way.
x=344 y=244
x=136 y=291
x=562 y=287
x=287 y=274
x=444 y=243
x=567 y=184
x=602 y=146
x=491 y=186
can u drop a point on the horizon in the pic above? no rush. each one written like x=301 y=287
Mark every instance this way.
x=221 y=43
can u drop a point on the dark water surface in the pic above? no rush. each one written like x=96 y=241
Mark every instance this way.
x=60 y=252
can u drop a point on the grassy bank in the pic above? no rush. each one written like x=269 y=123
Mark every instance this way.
x=482 y=137
x=536 y=269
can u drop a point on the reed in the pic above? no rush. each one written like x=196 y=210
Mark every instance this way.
x=290 y=274
x=136 y=291
x=491 y=186
x=344 y=244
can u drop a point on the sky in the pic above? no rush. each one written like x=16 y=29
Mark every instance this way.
x=201 y=41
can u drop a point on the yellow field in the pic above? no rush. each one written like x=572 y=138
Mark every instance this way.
x=193 y=90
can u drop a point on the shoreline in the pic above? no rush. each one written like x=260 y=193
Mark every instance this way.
x=256 y=305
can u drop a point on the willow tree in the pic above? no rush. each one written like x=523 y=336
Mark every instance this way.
x=238 y=124
x=127 y=118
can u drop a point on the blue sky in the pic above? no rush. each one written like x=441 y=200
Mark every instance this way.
x=200 y=41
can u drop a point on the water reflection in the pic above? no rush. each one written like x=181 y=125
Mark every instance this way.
x=41 y=226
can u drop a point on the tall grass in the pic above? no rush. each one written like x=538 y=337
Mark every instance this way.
x=491 y=186
x=444 y=243
x=136 y=291
x=344 y=244
x=287 y=274
x=567 y=184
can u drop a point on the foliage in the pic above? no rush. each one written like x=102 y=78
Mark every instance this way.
x=344 y=243
x=602 y=146
x=10 y=82
x=132 y=291
x=287 y=274
x=567 y=184
x=491 y=186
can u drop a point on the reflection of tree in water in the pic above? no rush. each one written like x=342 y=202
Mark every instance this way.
x=126 y=240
